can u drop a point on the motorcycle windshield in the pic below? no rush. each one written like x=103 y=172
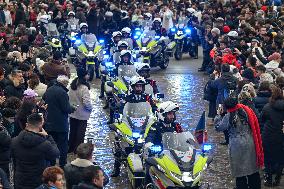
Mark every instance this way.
x=89 y=40
x=147 y=36
x=182 y=147
x=126 y=72
x=137 y=114
x=52 y=29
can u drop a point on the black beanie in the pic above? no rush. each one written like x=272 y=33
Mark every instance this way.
x=57 y=55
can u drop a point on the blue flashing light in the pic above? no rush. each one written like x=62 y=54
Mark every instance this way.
x=156 y=148
x=173 y=29
x=188 y=31
x=138 y=33
x=101 y=41
x=157 y=37
x=106 y=56
x=73 y=39
x=78 y=41
x=207 y=147
x=104 y=52
x=135 y=134
x=136 y=37
x=108 y=64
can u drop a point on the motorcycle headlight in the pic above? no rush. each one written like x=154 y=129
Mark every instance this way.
x=187 y=177
x=176 y=176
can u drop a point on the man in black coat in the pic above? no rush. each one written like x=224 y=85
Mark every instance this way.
x=32 y=150
x=74 y=171
x=15 y=85
x=5 y=148
x=58 y=108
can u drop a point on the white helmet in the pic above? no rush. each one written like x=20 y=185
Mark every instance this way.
x=44 y=19
x=137 y=80
x=83 y=24
x=126 y=30
x=109 y=14
x=71 y=12
x=157 y=20
x=233 y=34
x=142 y=66
x=124 y=52
x=166 y=107
x=191 y=10
x=149 y=15
x=122 y=43
x=116 y=33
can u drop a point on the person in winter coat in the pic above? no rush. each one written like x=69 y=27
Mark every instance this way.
x=272 y=136
x=54 y=68
x=31 y=151
x=4 y=63
x=38 y=87
x=5 y=148
x=79 y=95
x=262 y=96
x=4 y=184
x=15 y=87
x=92 y=20
x=93 y=178
x=74 y=170
x=245 y=146
x=58 y=109
x=224 y=85
x=108 y=26
x=52 y=178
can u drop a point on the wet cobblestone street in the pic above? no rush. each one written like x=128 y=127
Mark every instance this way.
x=180 y=83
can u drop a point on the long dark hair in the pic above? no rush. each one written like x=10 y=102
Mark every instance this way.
x=77 y=82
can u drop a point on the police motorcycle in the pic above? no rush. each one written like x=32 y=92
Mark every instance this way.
x=90 y=54
x=178 y=163
x=52 y=40
x=131 y=128
x=120 y=84
x=181 y=35
x=152 y=49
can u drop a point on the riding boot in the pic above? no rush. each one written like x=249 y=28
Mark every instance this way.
x=116 y=169
x=268 y=180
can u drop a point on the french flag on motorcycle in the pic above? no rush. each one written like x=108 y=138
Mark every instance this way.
x=200 y=130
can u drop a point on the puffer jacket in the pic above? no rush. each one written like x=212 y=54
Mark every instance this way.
x=31 y=153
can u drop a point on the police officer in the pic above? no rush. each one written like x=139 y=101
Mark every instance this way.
x=166 y=114
x=83 y=30
x=157 y=27
x=193 y=20
x=143 y=70
x=137 y=95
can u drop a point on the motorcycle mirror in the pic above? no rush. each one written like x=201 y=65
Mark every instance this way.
x=159 y=95
x=110 y=84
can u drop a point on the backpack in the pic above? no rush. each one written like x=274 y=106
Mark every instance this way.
x=230 y=87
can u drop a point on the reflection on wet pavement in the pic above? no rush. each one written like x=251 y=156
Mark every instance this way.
x=185 y=89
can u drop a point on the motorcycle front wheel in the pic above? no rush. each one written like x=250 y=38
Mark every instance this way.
x=178 y=53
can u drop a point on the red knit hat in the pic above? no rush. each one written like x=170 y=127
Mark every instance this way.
x=226 y=29
x=264 y=8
